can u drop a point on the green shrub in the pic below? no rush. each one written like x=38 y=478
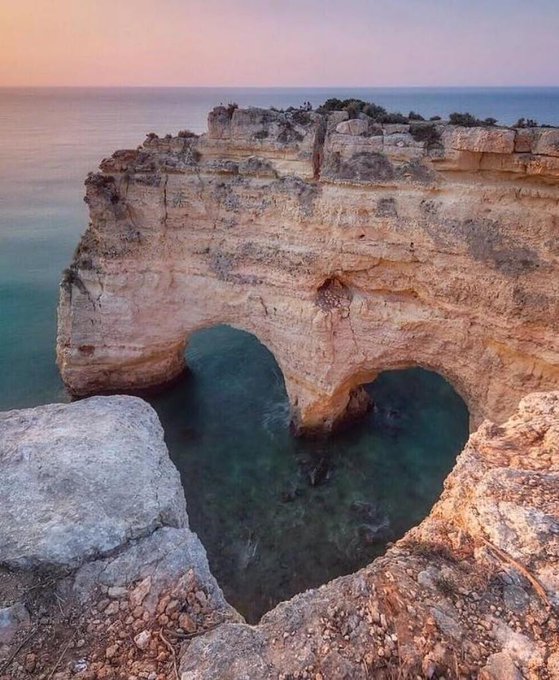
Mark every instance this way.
x=301 y=116
x=393 y=118
x=464 y=119
x=186 y=134
x=331 y=104
x=426 y=133
x=526 y=123
x=374 y=111
x=356 y=106
x=412 y=115
x=467 y=120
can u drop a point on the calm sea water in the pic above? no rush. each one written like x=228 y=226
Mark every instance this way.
x=268 y=531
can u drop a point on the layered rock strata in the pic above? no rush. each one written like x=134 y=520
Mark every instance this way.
x=99 y=573
x=346 y=247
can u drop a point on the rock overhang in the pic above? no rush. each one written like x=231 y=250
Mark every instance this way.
x=442 y=234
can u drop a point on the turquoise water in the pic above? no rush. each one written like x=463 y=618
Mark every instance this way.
x=279 y=514
x=267 y=532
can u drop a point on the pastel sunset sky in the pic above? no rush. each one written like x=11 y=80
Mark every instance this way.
x=279 y=42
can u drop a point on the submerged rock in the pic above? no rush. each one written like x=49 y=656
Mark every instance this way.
x=318 y=471
x=375 y=525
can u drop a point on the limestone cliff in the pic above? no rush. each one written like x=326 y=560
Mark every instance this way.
x=346 y=247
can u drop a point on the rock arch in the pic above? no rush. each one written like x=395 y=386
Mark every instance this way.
x=345 y=251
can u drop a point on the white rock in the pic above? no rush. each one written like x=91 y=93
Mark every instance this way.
x=355 y=126
x=143 y=639
x=12 y=619
x=79 y=480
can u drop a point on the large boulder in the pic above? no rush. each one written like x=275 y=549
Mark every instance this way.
x=93 y=518
x=482 y=140
x=80 y=480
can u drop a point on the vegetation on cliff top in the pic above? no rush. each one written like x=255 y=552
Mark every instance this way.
x=356 y=107
x=379 y=114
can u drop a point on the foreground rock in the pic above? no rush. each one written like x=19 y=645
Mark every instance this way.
x=473 y=592
x=80 y=480
x=99 y=573
x=346 y=247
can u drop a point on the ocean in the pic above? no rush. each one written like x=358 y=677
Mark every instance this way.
x=246 y=478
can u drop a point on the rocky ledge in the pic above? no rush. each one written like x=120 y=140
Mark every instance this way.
x=100 y=576
x=348 y=247
x=472 y=592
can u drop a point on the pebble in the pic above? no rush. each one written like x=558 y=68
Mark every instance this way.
x=202 y=597
x=138 y=595
x=172 y=607
x=143 y=639
x=30 y=662
x=80 y=666
x=186 y=623
x=111 y=651
x=112 y=609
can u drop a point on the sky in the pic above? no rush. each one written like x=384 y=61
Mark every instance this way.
x=279 y=42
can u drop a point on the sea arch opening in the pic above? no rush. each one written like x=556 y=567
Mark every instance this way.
x=277 y=513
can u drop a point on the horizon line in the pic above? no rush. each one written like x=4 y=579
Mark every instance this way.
x=283 y=87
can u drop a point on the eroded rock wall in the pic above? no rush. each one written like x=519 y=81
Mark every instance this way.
x=346 y=247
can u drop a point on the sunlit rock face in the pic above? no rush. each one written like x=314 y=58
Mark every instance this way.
x=346 y=247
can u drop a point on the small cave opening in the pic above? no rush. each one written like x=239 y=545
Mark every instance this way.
x=333 y=294
x=279 y=514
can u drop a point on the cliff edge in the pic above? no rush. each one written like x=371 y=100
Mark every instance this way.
x=472 y=592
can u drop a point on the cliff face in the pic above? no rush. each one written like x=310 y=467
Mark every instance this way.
x=346 y=247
